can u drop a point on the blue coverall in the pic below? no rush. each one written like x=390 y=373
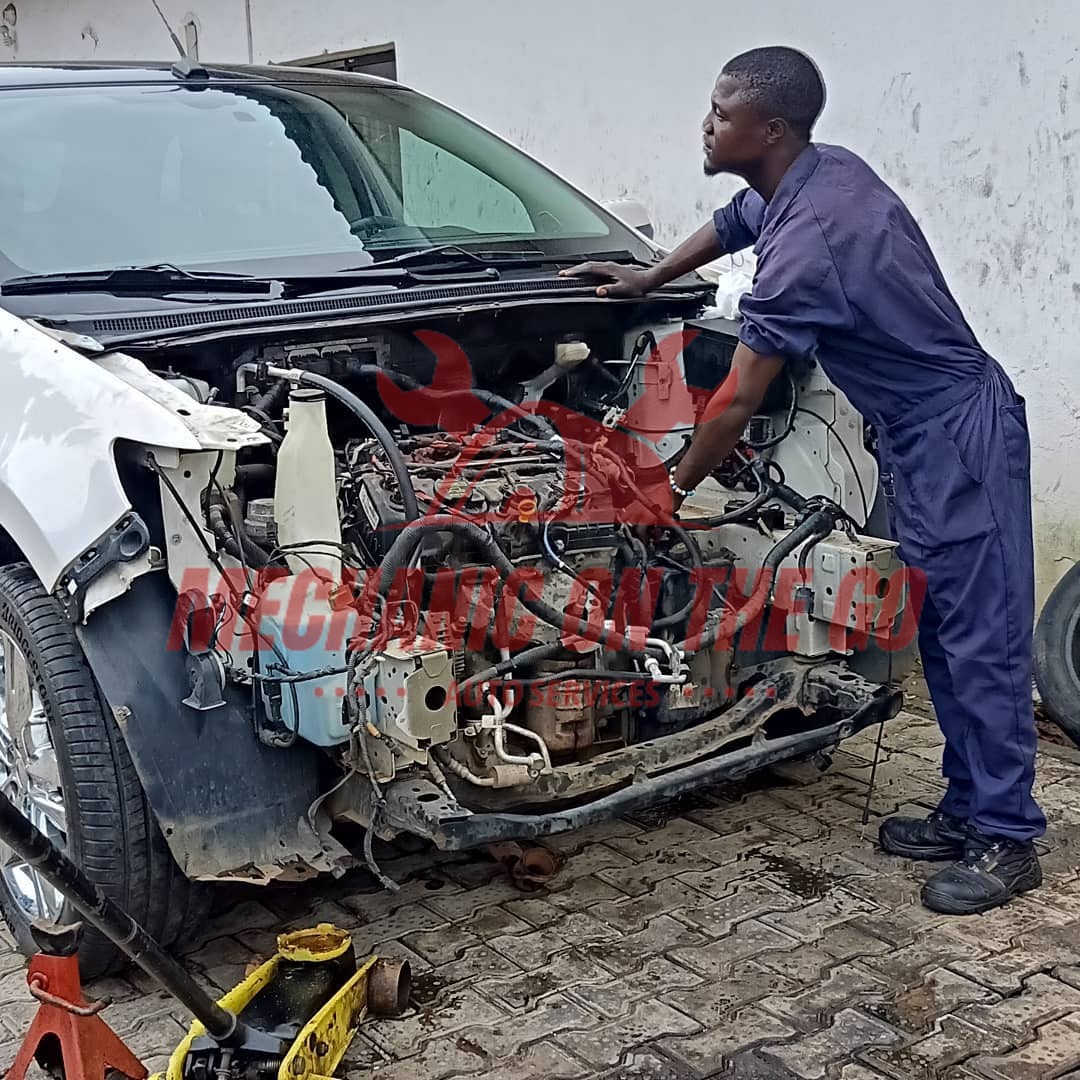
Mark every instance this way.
x=844 y=272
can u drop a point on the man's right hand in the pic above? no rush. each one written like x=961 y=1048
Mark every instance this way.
x=625 y=281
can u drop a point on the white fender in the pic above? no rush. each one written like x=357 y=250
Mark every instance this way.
x=60 y=415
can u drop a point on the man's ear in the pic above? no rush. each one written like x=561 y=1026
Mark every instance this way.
x=775 y=130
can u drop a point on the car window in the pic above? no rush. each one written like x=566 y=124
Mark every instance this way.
x=104 y=181
x=263 y=175
x=439 y=190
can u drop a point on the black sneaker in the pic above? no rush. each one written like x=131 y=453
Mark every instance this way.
x=937 y=837
x=992 y=872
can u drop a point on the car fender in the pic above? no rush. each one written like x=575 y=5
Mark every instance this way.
x=60 y=415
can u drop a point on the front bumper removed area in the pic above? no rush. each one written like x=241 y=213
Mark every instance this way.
x=645 y=773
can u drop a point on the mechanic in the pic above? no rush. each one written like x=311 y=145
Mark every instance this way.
x=844 y=273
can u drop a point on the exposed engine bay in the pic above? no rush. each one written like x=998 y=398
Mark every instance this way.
x=447 y=560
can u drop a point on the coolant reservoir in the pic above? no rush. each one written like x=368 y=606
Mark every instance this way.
x=305 y=491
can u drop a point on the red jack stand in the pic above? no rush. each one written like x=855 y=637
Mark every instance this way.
x=67 y=1030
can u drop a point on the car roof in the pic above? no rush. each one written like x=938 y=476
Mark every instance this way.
x=79 y=73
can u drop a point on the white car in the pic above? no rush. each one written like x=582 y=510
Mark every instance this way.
x=324 y=498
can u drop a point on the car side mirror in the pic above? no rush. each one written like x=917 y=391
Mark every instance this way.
x=633 y=213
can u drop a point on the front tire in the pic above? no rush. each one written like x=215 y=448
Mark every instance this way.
x=64 y=764
x=1057 y=654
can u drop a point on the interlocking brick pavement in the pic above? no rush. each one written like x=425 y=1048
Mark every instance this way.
x=751 y=931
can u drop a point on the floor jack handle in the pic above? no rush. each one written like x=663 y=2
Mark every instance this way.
x=112 y=921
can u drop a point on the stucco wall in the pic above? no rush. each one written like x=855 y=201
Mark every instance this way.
x=971 y=109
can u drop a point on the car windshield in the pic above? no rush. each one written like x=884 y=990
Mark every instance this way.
x=267 y=178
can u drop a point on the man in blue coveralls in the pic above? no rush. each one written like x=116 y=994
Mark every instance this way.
x=844 y=272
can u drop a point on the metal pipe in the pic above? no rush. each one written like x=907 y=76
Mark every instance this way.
x=523 y=733
x=459 y=768
x=116 y=924
x=495 y=723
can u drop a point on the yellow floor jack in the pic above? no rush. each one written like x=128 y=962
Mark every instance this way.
x=291 y=1019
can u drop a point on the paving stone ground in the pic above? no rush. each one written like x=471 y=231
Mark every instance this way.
x=752 y=931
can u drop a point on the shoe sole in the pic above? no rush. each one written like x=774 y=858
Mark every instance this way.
x=922 y=854
x=948 y=905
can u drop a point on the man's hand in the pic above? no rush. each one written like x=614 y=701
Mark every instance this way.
x=628 y=281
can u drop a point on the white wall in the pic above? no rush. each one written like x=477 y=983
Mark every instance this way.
x=970 y=109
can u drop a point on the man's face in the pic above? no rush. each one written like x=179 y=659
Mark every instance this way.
x=735 y=133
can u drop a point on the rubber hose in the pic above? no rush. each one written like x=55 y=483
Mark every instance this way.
x=535 y=655
x=402 y=549
x=697 y=563
x=814 y=524
x=491 y=400
x=255 y=554
x=274 y=396
x=789 y=495
x=586 y=675
x=249 y=553
x=252 y=474
x=741 y=513
x=367 y=417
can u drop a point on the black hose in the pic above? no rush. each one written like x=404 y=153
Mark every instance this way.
x=535 y=655
x=274 y=396
x=245 y=550
x=740 y=513
x=253 y=474
x=696 y=562
x=495 y=402
x=585 y=675
x=640 y=348
x=793 y=408
x=766 y=491
x=367 y=417
x=817 y=524
x=789 y=495
x=400 y=553
x=804 y=555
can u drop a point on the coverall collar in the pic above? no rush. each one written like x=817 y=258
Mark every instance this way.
x=798 y=172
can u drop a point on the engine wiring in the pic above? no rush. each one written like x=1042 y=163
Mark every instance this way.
x=789 y=423
x=640 y=350
x=212 y=555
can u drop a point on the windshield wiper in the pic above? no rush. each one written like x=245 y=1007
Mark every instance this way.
x=440 y=252
x=140 y=280
x=165 y=279
x=455 y=254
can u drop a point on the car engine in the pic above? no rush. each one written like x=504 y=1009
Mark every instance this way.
x=474 y=582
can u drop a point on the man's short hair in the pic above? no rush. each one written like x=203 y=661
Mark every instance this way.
x=783 y=82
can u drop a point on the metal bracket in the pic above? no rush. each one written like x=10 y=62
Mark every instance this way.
x=124 y=542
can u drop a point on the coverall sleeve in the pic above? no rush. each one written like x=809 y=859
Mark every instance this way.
x=739 y=223
x=796 y=294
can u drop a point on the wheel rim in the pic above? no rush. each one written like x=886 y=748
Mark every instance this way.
x=30 y=778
